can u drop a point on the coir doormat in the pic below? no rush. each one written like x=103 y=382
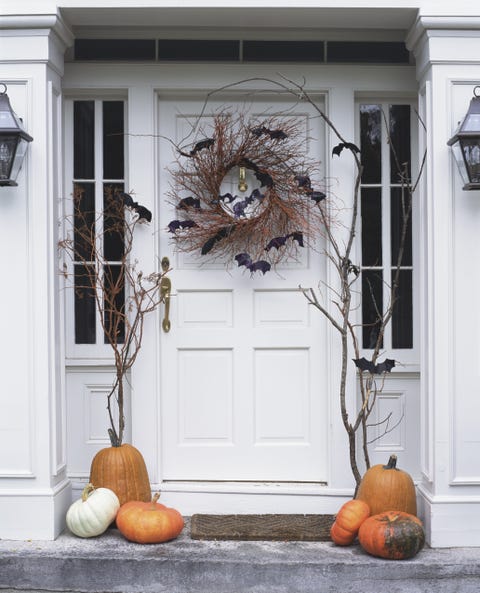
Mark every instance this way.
x=262 y=527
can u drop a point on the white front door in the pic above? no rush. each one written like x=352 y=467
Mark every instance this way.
x=243 y=367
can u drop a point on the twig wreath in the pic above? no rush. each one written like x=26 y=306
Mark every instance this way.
x=261 y=228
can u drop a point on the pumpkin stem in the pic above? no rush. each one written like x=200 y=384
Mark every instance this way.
x=155 y=498
x=392 y=463
x=89 y=488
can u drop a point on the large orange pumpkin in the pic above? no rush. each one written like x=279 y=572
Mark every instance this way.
x=149 y=522
x=123 y=470
x=348 y=520
x=387 y=488
x=393 y=535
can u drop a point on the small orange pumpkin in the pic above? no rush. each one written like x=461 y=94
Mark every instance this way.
x=388 y=488
x=348 y=520
x=393 y=535
x=149 y=522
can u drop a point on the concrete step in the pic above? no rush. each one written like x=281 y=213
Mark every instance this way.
x=111 y=564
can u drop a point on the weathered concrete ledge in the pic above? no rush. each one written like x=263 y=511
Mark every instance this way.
x=111 y=564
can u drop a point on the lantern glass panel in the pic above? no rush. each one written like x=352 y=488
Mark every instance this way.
x=471 y=153
x=458 y=154
x=471 y=123
x=8 y=146
x=18 y=160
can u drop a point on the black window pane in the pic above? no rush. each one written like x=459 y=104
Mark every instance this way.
x=114 y=49
x=398 y=210
x=368 y=51
x=84 y=305
x=283 y=51
x=402 y=319
x=399 y=142
x=84 y=221
x=195 y=50
x=372 y=306
x=113 y=140
x=83 y=139
x=371 y=143
x=371 y=215
x=114 y=303
x=113 y=222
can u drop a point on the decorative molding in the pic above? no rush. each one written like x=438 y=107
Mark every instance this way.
x=35 y=24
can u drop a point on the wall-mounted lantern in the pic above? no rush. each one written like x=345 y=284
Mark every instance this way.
x=465 y=144
x=13 y=141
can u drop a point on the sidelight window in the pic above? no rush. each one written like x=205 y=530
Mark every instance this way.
x=386 y=149
x=97 y=171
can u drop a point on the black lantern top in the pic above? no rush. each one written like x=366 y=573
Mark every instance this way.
x=13 y=141
x=465 y=144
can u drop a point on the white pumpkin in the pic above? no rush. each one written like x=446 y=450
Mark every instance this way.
x=92 y=514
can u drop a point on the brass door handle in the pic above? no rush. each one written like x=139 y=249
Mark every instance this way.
x=165 y=291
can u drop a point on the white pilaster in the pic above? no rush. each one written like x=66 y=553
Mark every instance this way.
x=448 y=68
x=34 y=490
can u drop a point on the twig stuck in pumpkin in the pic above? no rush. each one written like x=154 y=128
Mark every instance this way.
x=123 y=296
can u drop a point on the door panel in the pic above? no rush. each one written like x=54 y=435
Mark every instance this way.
x=243 y=366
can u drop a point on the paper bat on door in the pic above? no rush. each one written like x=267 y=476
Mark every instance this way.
x=376 y=369
x=206 y=143
x=305 y=183
x=221 y=234
x=180 y=224
x=281 y=241
x=144 y=215
x=189 y=202
x=243 y=259
x=273 y=134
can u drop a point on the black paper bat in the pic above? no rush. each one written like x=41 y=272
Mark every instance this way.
x=222 y=233
x=264 y=178
x=126 y=199
x=189 y=202
x=273 y=134
x=239 y=207
x=180 y=224
x=144 y=215
x=349 y=145
x=303 y=181
x=243 y=259
x=316 y=196
x=206 y=143
x=376 y=369
x=280 y=241
x=227 y=198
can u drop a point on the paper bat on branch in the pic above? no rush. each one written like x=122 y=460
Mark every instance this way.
x=273 y=134
x=304 y=182
x=376 y=369
x=348 y=145
x=280 y=241
x=221 y=234
x=180 y=224
x=189 y=202
x=243 y=259
x=206 y=143
x=144 y=215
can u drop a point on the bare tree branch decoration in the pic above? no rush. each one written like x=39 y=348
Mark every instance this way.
x=342 y=293
x=123 y=295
